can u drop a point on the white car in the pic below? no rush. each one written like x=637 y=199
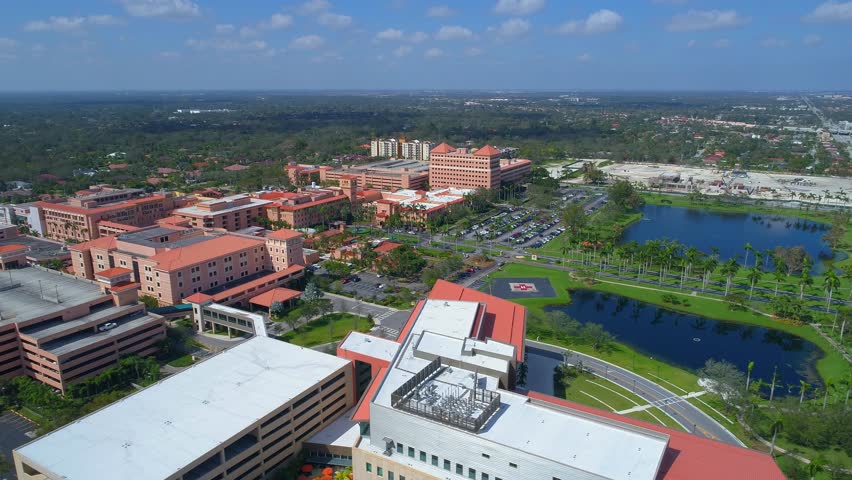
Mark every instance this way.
x=107 y=326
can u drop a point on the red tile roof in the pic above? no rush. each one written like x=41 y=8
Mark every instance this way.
x=226 y=295
x=197 y=298
x=504 y=321
x=117 y=166
x=235 y=168
x=105 y=243
x=443 y=148
x=301 y=206
x=487 y=151
x=275 y=295
x=107 y=208
x=113 y=272
x=690 y=457
x=198 y=253
x=386 y=247
x=124 y=286
x=12 y=248
x=284 y=234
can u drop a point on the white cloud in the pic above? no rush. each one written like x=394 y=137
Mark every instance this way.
x=312 y=7
x=389 y=34
x=831 y=12
x=417 y=37
x=721 y=43
x=7 y=43
x=162 y=8
x=519 y=7
x=70 y=24
x=473 y=51
x=247 y=31
x=227 y=45
x=307 y=42
x=812 y=40
x=440 y=11
x=277 y=21
x=512 y=28
x=700 y=20
x=584 y=57
x=454 y=32
x=402 y=51
x=602 y=21
x=773 y=42
x=434 y=53
x=335 y=20
x=223 y=28
x=327 y=57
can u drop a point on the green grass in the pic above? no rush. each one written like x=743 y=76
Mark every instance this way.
x=182 y=361
x=327 y=329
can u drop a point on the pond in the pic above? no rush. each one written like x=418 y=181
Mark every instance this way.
x=729 y=232
x=689 y=340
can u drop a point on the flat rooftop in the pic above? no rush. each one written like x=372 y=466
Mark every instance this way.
x=158 y=431
x=343 y=432
x=572 y=438
x=413 y=166
x=370 y=346
x=194 y=210
x=31 y=292
x=39 y=249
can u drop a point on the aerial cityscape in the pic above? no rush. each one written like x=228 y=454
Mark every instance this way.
x=426 y=240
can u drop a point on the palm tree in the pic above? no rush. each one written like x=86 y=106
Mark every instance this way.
x=829 y=384
x=777 y=425
x=817 y=465
x=748 y=376
x=804 y=388
x=729 y=269
x=692 y=254
x=748 y=248
x=753 y=276
x=830 y=283
x=804 y=281
x=710 y=266
x=779 y=271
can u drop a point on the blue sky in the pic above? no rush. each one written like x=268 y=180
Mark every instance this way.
x=426 y=44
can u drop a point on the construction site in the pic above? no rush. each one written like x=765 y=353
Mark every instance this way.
x=711 y=181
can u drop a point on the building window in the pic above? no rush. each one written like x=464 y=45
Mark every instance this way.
x=411 y=452
x=471 y=473
x=390 y=475
x=484 y=476
x=446 y=465
x=379 y=471
x=369 y=467
x=399 y=448
x=422 y=456
x=513 y=465
x=486 y=455
x=459 y=469
x=435 y=460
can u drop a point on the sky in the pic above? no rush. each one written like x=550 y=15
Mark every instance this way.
x=564 y=45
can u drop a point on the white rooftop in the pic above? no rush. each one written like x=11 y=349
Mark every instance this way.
x=565 y=436
x=158 y=431
x=343 y=432
x=194 y=210
x=370 y=346
x=452 y=318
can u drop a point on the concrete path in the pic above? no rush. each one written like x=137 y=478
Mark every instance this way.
x=663 y=402
x=690 y=417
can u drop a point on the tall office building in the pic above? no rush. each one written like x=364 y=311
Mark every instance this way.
x=393 y=148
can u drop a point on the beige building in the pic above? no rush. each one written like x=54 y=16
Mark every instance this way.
x=59 y=329
x=241 y=414
x=171 y=263
x=229 y=213
x=77 y=218
x=481 y=168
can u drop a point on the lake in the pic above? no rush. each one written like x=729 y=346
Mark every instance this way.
x=729 y=232
x=689 y=340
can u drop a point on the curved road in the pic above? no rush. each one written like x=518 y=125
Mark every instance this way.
x=689 y=416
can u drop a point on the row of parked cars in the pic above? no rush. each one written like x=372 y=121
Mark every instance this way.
x=537 y=230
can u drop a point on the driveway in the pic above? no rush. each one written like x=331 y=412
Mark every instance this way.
x=687 y=415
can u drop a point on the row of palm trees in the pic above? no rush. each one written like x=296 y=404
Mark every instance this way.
x=671 y=258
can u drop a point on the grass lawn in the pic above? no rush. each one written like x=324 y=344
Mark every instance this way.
x=327 y=329
x=182 y=361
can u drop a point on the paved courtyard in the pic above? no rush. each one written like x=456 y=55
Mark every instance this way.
x=510 y=288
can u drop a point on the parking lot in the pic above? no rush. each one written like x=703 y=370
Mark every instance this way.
x=14 y=432
x=365 y=285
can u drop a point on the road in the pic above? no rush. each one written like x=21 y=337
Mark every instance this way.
x=388 y=320
x=689 y=416
x=14 y=432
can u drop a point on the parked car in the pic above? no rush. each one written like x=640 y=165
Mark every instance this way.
x=107 y=326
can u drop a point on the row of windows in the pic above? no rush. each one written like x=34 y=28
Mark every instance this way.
x=447 y=464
